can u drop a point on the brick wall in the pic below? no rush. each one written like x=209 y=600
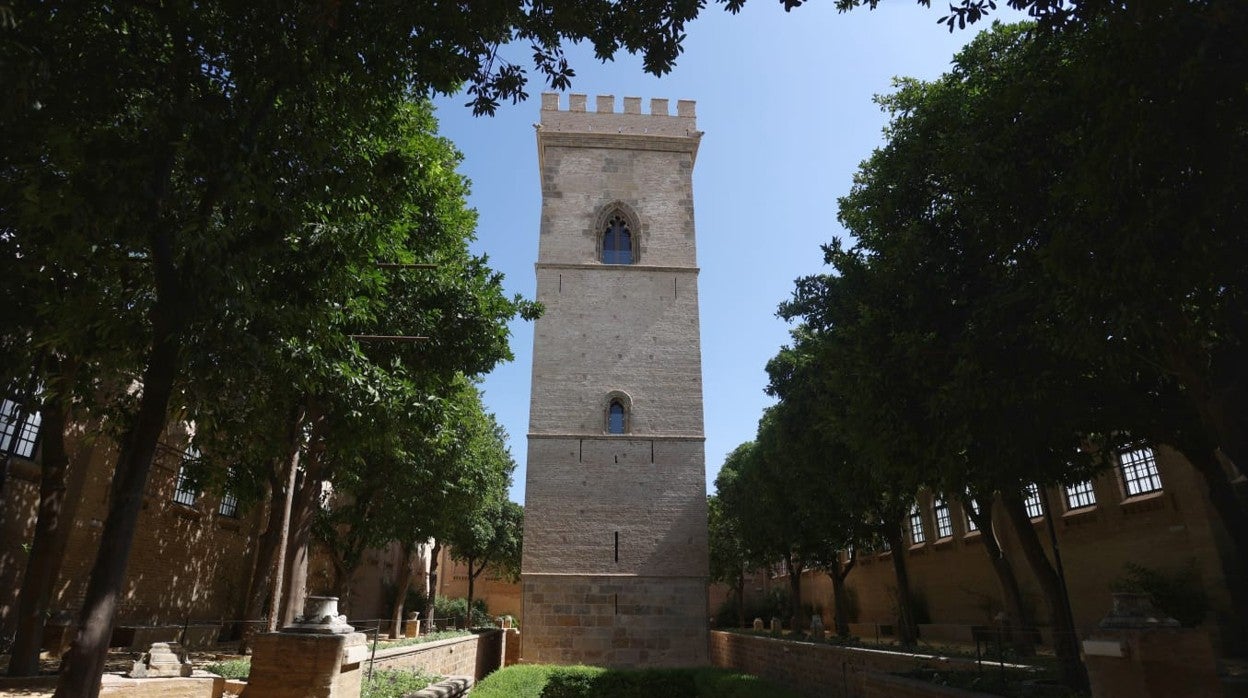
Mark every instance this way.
x=474 y=656
x=188 y=562
x=1166 y=530
x=822 y=671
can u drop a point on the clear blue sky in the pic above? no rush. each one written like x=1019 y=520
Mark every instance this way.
x=785 y=101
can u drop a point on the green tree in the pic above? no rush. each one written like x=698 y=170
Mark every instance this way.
x=729 y=560
x=489 y=535
x=839 y=496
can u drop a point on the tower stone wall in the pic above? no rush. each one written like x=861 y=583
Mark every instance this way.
x=615 y=551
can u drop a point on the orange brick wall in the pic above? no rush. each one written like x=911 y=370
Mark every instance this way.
x=1161 y=530
x=502 y=597
x=188 y=562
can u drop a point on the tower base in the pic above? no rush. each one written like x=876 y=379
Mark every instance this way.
x=615 y=620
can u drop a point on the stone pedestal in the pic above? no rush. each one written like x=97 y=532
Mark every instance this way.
x=1141 y=653
x=758 y=624
x=412 y=627
x=306 y=665
x=164 y=659
x=317 y=656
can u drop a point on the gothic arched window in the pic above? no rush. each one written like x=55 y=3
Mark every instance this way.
x=617 y=241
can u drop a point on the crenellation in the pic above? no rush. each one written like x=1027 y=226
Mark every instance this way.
x=628 y=121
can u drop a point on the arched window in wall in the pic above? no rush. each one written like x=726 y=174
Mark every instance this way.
x=617 y=417
x=617 y=241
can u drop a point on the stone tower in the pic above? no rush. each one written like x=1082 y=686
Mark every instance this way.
x=615 y=548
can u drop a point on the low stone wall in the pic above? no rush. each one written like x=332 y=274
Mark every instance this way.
x=476 y=655
x=825 y=671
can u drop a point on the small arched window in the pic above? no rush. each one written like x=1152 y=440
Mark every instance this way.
x=616 y=417
x=617 y=242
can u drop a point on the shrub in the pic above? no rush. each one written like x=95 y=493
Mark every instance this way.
x=544 y=681
x=428 y=637
x=457 y=611
x=586 y=682
x=517 y=681
x=234 y=669
x=395 y=683
x=1178 y=594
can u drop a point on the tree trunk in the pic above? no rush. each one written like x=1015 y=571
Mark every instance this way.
x=1222 y=496
x=740 y=589
x=908 y=629
x=307 y=494
x=84 y=663
x=840 y=596
x=432 y=582
x=260 y=583
x=472 y=579
x=294 y=442
x=48 y=548
x=1235 y=521
x=405 y=583
x=795 y=593
x=295 y=587
x=1011 y=594
x=1065 y=644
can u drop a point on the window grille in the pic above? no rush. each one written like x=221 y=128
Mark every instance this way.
x=183 y=491
x=1080 y=495
x=970 y=523
x=229 y=505
x=916 y=525
x=20 y=439
x=944 y=523
x=1139 y=471
x=1032 y=501
x=617 y=242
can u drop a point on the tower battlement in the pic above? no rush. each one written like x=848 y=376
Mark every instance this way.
x=659 y=121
